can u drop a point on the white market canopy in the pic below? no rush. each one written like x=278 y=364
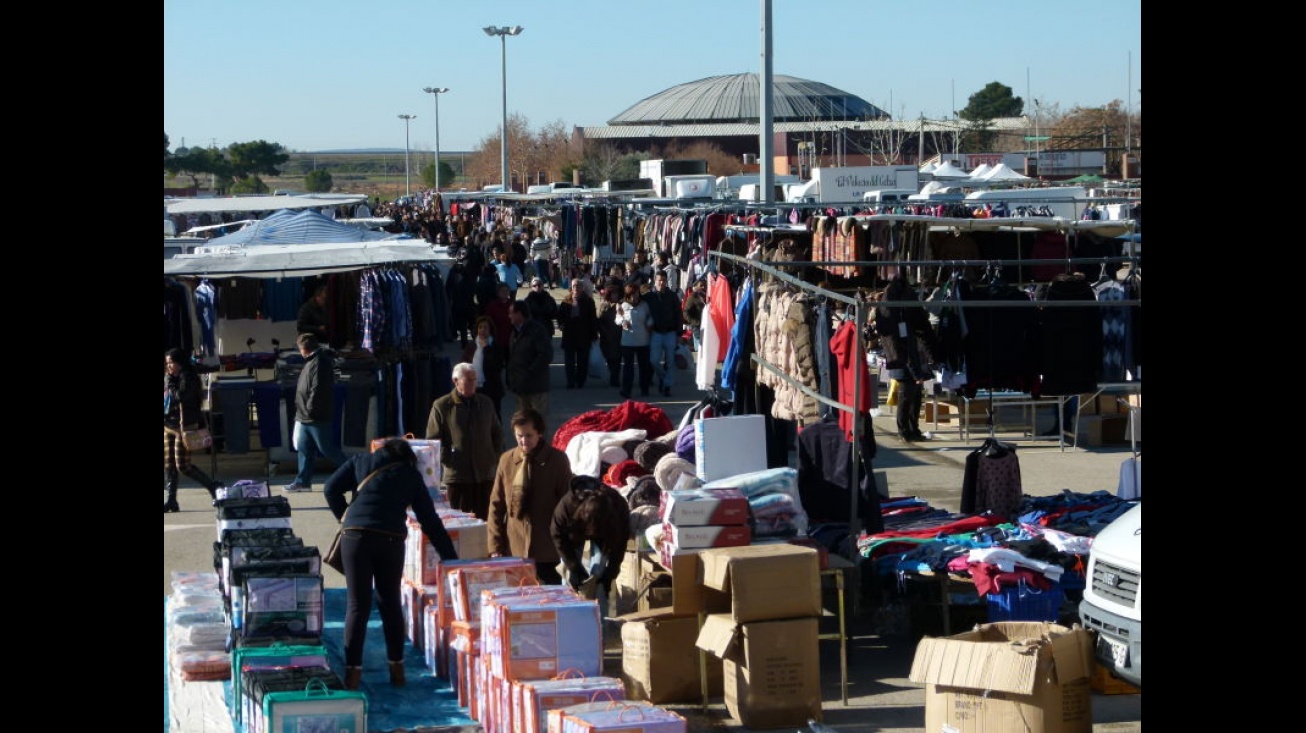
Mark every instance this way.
x=301 y=260
x=1003 y=172
x=980 y=171
x=949 y=170
x=232 y=204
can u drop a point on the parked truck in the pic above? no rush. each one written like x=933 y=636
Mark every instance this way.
x=1113 y=595
x=658 y=170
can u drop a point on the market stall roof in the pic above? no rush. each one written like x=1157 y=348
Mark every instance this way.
x=301 y=260
x=1105 y=228
x=1003 y=172
x=260 y=203
x=299 y=227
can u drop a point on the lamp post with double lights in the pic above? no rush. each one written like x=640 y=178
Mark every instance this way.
x=503 y=33
x=407 y=119
x=436 y=92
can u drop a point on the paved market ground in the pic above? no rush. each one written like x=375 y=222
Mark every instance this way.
x=880 y=697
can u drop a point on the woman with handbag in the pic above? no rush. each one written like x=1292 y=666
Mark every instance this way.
x=374 y=527
x=181 y=414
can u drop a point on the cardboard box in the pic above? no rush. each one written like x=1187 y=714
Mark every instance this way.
x=771 y=672
x=1015 y=675
x=688 y=595
x=945 y=412
x=1105 y=683
x=729 y=445
x=697 y=537
x=764 y=582
x=659 y=660
x=1098 y=430
x=694 y=507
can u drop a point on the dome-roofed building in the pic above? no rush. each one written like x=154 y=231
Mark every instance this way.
x=812 y=124
x=737 y=98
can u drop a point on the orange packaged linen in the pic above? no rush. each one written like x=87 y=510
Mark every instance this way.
x=535 y=698
x=470 y=538
x=444 y=602
x=630 y=716
x=415 y=598
x=428 y=457
x=467 y=582
x=464 y=643
x=538 y=638
x=492 y=603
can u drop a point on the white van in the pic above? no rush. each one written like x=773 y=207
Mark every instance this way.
x=1113 y=596
x=887 y=196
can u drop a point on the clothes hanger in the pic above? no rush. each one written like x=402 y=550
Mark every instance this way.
x=1102 y=274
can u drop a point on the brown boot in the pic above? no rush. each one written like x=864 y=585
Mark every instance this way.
x=397 y=674
x=353 y=677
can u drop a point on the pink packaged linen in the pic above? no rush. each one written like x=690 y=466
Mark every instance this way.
x=630 y=716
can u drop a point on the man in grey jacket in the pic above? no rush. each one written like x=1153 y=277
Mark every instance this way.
x=471 y=439
x=530 y=352
x=315 y=411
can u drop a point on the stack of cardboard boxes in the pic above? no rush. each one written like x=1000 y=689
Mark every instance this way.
x=748 y=618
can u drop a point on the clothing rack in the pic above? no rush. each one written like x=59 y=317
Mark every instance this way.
x=854 y=521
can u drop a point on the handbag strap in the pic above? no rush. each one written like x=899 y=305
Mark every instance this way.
x=369 y=476
x=359 y=490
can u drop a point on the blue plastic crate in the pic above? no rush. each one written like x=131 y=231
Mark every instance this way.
x=1071 y=580
x=1023 y=603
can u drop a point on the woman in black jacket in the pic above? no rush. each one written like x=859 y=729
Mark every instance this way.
x=384 y=484
x=594 y=512
x=181 y=400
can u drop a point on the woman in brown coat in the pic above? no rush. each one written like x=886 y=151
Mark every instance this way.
x=532 y=478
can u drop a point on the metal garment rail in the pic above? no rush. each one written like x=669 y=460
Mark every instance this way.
x=854 y=522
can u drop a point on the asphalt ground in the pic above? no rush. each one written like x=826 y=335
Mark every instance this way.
x=881 y=698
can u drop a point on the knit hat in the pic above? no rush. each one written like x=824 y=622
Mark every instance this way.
x=670 y=469
x=644 y=492
x=618 y=473
x=648 y=453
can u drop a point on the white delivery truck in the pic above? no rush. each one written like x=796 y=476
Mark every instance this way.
x=848 y=184
x=1113 y=595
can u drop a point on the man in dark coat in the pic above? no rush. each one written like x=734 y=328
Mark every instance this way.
x=315 y=409
x=530 y=352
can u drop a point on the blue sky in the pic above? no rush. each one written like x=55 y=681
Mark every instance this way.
x=330 y=75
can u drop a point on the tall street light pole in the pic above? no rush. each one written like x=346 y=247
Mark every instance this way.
x=436 y=92
x=503 y=33
x=407 y=119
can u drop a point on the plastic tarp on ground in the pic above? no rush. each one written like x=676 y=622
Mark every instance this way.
x=298 y=227
x=426 y=701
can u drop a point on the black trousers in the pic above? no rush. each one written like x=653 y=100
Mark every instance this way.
x=632 y=356
x=374 y=569
x=910 y=395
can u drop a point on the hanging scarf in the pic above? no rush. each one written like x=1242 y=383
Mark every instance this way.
x=518 y=497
